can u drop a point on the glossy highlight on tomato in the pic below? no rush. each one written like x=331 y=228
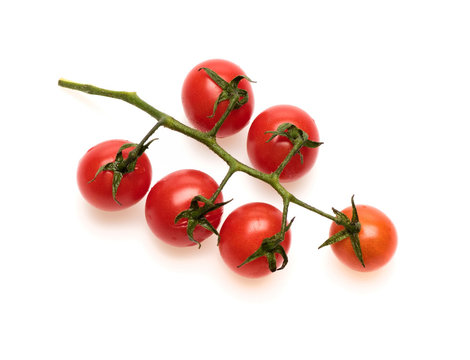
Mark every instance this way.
x=200 y=93
x=267 y=156
x=133 y=187
x=242 y=234
x=172 y=195
x=377 y=237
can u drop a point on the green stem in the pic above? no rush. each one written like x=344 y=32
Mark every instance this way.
x=149 y=134
x=230 y=107
x=204 y=138
x=135 y=153
x=222 y=184
x=313 y=209
x=286 y=202
x=298 y=144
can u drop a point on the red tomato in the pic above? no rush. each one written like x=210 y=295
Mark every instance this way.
x=172 y=195
x=267 y=156
x=378 y=239
x=200 y=93
x=133 y=186
x=242 y=234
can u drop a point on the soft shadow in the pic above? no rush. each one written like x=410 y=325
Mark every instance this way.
x=358 y=280
x=254 y=290
x=179 y=253
x=97 y=216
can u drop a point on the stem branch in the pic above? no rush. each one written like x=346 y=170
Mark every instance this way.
x=286 y=202
x=222 y=184
x=230 y=107
x=311 y=208
x=294 y=150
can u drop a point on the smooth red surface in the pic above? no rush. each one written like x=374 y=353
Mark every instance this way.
x=378 y=239
x=242 y=234
x=267 y=156
x=133 y=187
x=172 y=195
x=200 y=93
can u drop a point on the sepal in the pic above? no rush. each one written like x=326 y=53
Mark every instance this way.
x=121 y=166
x=269 y=248
x=351 y=230
x=295 y=136
x=230 y=90
x=196 y=215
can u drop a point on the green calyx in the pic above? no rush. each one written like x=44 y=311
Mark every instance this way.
x=351 y=230
x=121 y=166
x=296 y=136
x=196 y=215
x=230 y=90
x=236 y=96
x=269 y=248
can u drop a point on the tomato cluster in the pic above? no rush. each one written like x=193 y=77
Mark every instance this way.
x=186 y=207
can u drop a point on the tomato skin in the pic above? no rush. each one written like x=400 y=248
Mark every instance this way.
x=242 y=234
x=133 y=186
x=200 y=93
x=267 y=156
x=173 y=194
x=378 y=239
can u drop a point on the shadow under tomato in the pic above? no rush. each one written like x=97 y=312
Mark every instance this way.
x=107 y=218
x=356 y=279
x=186 y=253
x=256 y=289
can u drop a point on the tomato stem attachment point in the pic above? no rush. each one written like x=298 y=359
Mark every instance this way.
x=236 y=96
x=297 y=137
x=119 y=167
x=352 y=227
x=196 y=215
x=272 y=245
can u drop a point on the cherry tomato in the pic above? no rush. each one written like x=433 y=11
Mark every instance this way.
x=172 y=195
x=378 y=239
x=267 y=156
x=242 y=234
x=133 y=186
x=200 y=93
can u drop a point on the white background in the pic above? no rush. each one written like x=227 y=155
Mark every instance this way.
x=388 y=85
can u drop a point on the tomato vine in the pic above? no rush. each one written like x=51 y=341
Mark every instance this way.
x=272 y=245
